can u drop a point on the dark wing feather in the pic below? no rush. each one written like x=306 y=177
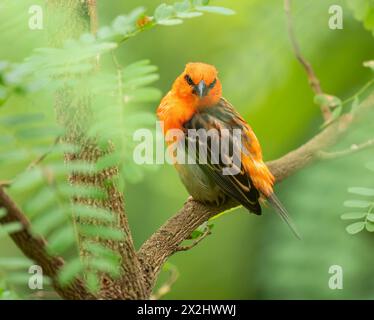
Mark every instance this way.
x=238 y=186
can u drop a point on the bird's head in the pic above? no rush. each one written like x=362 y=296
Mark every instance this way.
x=199 y=84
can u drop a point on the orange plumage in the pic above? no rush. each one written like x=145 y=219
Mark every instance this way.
x=195 y=102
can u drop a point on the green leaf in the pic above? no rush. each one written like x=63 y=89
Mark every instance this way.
x=21 y=119
x=83 y=191
x=81 y=167
x=362 y=191
x=355 y=227
x=219 y=10
x=28 y=180
x=15 y=263
x=14 y=155
x=143 y=95
x=353 y=215
x=40 y=201
x=105 y=33
x=189 y=15
x=50 y=220
x=89 y=212
x=200 y=2
x=61 y=240
x=370 y=226
x=370 y=217
x=99 y=250
x=141 y=81
x=364 y=11
x=195 y=234
x=18 y=278
x=102 y=232
x=70 y=271
x=9 y=228
x=357 y=204
x=163 y=12
x=170 y=22
x=92 y=282
x=51 y=132
x=108 y=161
x=182 y=7
x=138 y=69
x=105 y=265
x=23 y=279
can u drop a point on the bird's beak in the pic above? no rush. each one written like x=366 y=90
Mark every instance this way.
x=201 y=89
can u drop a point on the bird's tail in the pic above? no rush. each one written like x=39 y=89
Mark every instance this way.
x=281 y=210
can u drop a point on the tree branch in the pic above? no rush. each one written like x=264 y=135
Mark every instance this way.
x=73 y=112
x=166 y=240
x=313 y=79
x=34 y=248
x=353 y=149
x=167 y=286
x=206 y=233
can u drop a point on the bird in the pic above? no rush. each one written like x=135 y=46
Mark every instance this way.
x=195 y=104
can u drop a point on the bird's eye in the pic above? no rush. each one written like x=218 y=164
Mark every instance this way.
x=189 y=80
x=211 y=86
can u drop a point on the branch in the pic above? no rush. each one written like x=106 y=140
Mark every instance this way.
x=73 y=109
x=353 y=149
x=167 y=286
x=166 y=240
x=35 y=248
x=206 y=233
x=313 y=80
x=43 y=156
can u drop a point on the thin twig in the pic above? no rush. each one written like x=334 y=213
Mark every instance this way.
x=206 y=233
x=8 y=183
x=167 y=286
x=313 y=79
x=43 y=156
x=353 y=149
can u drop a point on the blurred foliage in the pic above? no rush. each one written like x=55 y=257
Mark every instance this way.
x=260 y=76
x=366 y=202
x=364 y=11
x=34 y=137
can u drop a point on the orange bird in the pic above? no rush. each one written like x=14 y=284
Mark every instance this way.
x=195 y=102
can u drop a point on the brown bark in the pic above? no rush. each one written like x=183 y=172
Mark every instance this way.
x=34 y=248
x=74 y=112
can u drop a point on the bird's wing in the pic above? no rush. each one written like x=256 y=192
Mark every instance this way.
x=222 y=116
